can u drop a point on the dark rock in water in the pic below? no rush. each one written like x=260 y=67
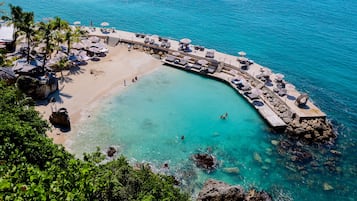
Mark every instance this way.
x=303 y=156
x=214 y=190
x=111 y=151
x=205 y=161
x=254 y=195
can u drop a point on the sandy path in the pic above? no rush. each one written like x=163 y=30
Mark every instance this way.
x=84 y=88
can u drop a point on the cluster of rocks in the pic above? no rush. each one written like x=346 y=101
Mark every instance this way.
x=311 y=130
x=214 y=190
x=205 y=161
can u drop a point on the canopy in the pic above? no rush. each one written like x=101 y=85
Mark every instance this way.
x=185 y=41
x=242 y=54
x=104 y=24
x=78 y=46
x=279 y=76
x=94 y=39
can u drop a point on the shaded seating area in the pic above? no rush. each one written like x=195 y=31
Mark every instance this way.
x=184 y=45
x=210 y=53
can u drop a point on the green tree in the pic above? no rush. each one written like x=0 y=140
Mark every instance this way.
x=45 y=31
x=23 y=23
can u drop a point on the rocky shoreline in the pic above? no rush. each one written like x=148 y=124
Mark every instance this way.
x=317 y=130
x=214 y=190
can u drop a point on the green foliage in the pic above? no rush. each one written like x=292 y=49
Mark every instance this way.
x=33 y=168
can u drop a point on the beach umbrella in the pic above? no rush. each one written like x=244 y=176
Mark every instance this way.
x=279 y=76
x=256 y=91
x=86 y=43
x=242 y=54
x=78 y=45
x=94 y=50
x=94 y=39
x=266 y=72
x=77 y=23
x=202 y=62
x=99 y=45
x=185 y=41
x=104 y=24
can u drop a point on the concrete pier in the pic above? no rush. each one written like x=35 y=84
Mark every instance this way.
x=277 y=109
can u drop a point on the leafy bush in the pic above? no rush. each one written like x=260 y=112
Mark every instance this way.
x=32 y=167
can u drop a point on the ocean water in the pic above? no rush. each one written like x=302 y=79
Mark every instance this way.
x=314 y=43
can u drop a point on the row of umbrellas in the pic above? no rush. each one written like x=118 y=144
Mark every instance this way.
x=103 y=24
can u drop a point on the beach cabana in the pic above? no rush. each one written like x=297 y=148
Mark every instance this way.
x=210 y=53
x=184 y=44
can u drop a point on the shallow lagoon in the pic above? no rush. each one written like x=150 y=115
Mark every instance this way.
x=147 y=121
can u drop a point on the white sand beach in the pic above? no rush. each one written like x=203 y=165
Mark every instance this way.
x=84 y=88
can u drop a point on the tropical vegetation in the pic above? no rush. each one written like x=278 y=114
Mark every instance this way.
x=32 y=167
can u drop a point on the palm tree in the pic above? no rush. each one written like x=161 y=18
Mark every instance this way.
x=28 y=28
x=60 y=27
x=62 y=64
x=72 y=35
x=45 y=31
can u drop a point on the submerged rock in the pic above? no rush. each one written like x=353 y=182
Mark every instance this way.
x=327 y=187
x=205 y=161
x=257 y=157
x=231 y=170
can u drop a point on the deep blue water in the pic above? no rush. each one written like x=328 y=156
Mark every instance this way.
x=314 y=43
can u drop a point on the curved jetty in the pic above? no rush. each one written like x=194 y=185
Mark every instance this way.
x=282 y=106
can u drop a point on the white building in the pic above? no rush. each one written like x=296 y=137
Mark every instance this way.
x=6 y=34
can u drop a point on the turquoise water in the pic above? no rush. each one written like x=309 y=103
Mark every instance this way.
x=314 y=43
